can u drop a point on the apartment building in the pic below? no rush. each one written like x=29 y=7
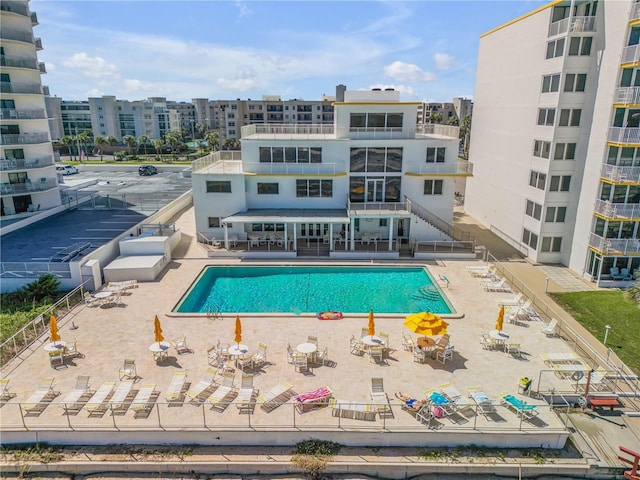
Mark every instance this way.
x=373 y=175
x=27 y=170
x=555 y=138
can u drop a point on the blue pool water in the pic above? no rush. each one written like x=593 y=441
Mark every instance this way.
x=312 y=289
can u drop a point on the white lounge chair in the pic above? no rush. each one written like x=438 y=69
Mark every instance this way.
x=72 y=402
x=39 y=400
x=174 y=392
x=198 y=390
x=245 y=400
x=513 y=301
x=144 y=400
x=219 y=399
x=500 y=286
x=485 y=405
x=276 y=396
x=118 y=401
x=550 y=328
x=379 y=397
x=452 y=394
x=97 y=404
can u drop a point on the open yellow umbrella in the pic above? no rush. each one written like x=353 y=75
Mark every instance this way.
x=500 y=319
x=238 y=331
x=157 y=329
x=53 y=329
x=426 y=323
x=372 y=325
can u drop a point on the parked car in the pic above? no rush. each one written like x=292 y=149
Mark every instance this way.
x=66 y=169
x=147 y=170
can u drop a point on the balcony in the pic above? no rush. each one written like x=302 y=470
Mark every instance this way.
x=42 y=67
x=29 y=187
x=627 y=95
x=615 y=246
x=19 y=87
x=572 y=25
x=25 y=164
x=618 y=211
x=18 y=35
x=635 y=12
x=378 y=208
x=259 y=168
x=18 y=62
x=221 y=162
x=22 y=113
x=624 y=135
x=461 y=168
x=289 y=131
x=24 y=138
x=630 y=54
x=614 y=174
x=38 y=42
x=304 y=108
x=34 y=19
x=14 y=7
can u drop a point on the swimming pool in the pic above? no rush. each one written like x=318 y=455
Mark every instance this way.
x=312 y=289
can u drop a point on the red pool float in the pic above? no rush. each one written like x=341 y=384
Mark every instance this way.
x=330 y=315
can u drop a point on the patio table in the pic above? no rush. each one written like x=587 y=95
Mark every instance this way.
x=159 y=350
x=307 y=348
x=53 y=346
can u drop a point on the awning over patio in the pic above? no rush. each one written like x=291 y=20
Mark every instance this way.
x=286 y=215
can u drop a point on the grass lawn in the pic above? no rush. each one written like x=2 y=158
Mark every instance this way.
x=594 y=310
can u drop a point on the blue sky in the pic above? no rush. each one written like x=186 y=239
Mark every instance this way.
x=245 y=49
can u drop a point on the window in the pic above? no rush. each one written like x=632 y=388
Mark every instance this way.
x=555 y=214
x=537 y=179
x=290 y=154
x=314 y=188
x=541 y=148
x=560 y=183
x=376 y=120
x=435 y=154
x=375 y=159
x=529 y=238
x=533 y=210
x=551 y=244
x=383 y=222
x=570 y=117
x=565 y=151
x=546 y=116
x=214 y=186
x=433 y=187
x=575 y=82
x=551 y=83
x=268 y=189
x=555 y=48
x=580 y=46
x=214 y=222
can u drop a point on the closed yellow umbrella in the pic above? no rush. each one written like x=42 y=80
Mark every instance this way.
x=500 y=319
x=53 y=329
x=372 y=325
x=426 y=323
x=238 y=331
x=157 y=329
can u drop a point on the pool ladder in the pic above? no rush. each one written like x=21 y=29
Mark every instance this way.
x=213 y=312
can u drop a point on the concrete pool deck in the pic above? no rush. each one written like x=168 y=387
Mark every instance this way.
x=107 y=335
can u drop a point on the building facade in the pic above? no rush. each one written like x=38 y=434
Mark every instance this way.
x=371 y=175
x=27 y=167
x=556 y=134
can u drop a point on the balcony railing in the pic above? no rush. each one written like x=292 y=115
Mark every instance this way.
x=620 y=174
x=294 y=168
x=28 y=187
x=19 y=87
x=38 y=42
x=377 y=208
x=27 y=138
x=288 y=130
x=42 y=67
x=615 y=246
x=14 y=7
x=627 y=95
x=222 y=156
x=631 y=54
x=26 y=164
x=436 y=129
x=624 y=135
x=573 y=25
x=19 y=35
x=22 y=113
x=618 y=211
x=18 y=62
x=635 y=12
x=34 y=19
x=423 y=168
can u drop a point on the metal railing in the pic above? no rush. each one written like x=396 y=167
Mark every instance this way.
x=572 y=24
x=442 y=246
x=27 y=138
x=631 y=54
x=627 y=95
x=20 y=87
x=445 y=227
x=25 y=164
x=457 y=168
x=19 y=35
x=30 y=333
x=615 y=246
x=18 y=62
x=21 y=113
x=624 y=135
x=14 y=7
x=34 y=269
x=231 y=158
x=376 y=208
x=25 y=188
x=620 y=174
x=618 y=211
x=635 y=12
x=323 y=131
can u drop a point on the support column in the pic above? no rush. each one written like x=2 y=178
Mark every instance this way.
x=390 y=233
x=346 y=236
x=295 y=237
x=226 y=237
x=352 y=235
x=286 y=238
x=331 y=237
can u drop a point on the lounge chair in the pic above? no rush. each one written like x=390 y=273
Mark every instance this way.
x=118 y=402
x=439 y=401
x=213 y=356
x=376 y=354
x=485 y=405
x=39 y=400
x=317 y=398
x=219 y=398
x=550 y=328
x=128 y=369
x=500 y=286
x=144 y=400
x=276 y=396
x=72 y=402
x=380 y=397
x=97 y=404
x=352 y=409
x=180 y=344
x=174 y=392
x=518 y=406
x=559 y=358
x=452 y=394
x=5 y=394
x=245 y=399
x=196 y=391
x=513 y=301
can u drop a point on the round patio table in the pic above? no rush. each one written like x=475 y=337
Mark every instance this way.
x=159 y=350
x=53 y=346
x=372 y=340
x=307 y=348
x=237 y=350
x=426 y=342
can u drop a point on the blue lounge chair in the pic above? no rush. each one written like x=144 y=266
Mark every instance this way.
x=520 y=407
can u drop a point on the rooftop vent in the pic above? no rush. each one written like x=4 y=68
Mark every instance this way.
x=376 y=89
x=389 y=90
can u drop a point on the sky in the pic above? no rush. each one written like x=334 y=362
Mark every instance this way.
x=246 y=49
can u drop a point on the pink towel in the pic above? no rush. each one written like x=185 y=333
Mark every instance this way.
x=321 y=392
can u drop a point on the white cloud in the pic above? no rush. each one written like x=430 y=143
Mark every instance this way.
x=94 y=67
x=243 y=9
x=237 y=84
x=408 y=72
x=94 y=92
x=443 y=61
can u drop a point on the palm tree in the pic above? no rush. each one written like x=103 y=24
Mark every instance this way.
x=173 y=139
x=111 y=140
x=453 y=121
x=201 y=128
x=435 y=117
x=67 y=141
x=130 y=140
x=158 y=144
x=83 y=139
x=465 y=132
x=212 y=137
x=101 y=141
x=143 y=141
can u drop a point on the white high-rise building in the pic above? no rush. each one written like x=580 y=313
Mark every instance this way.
x=27 y=170
x=555 y=139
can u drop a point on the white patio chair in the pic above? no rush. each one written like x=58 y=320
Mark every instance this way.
x=56 y=358
x=128 y=369
x=300 y=363
x=445 y=354
x=355 y=346
x=322 y=356
x=180 y=344
x=5 y=394
x=259 y=358
x=376 y=354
